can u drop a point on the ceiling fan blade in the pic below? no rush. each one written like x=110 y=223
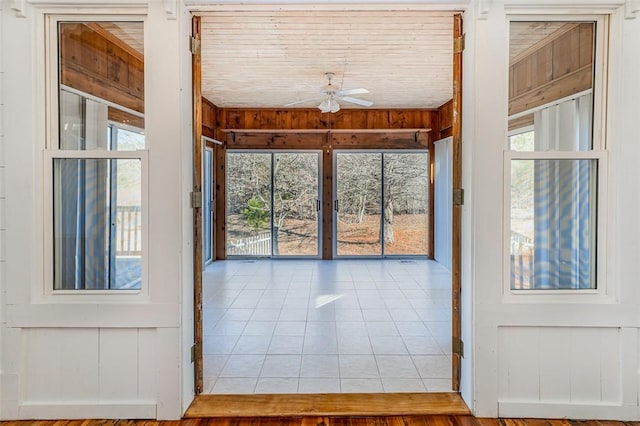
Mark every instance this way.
x=301 y=102
x=356 y=101
x=360 y=91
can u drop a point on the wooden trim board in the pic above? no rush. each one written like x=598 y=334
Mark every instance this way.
x=456 y=180
x=196 y=75
x=336 y=404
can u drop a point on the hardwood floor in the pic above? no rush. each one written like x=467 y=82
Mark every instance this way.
x=466 y=420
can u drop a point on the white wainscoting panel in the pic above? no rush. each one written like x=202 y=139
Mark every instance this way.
x=89 y=366
x=118 y=364
x=61 y=364
x=148 y=368
x=579 y=365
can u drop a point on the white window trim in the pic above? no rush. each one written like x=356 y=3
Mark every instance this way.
x=603 y=293
x=66 y=295
x=45 y=293
x=519 y=131
x=602 y=290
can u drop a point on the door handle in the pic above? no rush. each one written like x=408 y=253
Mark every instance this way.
x=317 y=205
x=335 y=205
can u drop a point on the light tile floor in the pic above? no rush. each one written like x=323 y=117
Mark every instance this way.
x=313 y=326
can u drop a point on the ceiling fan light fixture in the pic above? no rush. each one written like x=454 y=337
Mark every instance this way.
x=324 y=106
x=331 y=95
x=329 y=105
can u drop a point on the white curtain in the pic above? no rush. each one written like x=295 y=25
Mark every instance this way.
x=82 y=188
x=564 y=198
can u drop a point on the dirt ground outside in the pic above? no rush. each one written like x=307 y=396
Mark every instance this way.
x=299 y=237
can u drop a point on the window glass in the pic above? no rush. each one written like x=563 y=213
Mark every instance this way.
x=522 y=141
x=249 y=204
x=101 y=82
x=97 y=193
x=97 y=223
x=551 y=75
x=553 y=200
x=406 y=203
x=553 y=213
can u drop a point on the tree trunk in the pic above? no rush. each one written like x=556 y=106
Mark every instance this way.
x=274 y=241
x=363 y=208
x=388 y=222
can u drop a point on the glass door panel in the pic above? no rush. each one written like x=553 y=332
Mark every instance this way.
x=357 y=204
x=248 y=204
x=406 y=203
x=296 y=204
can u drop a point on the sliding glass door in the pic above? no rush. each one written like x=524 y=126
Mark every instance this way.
x=357 y=213
x=296 y=204
x=406 y=203
x=273 y=204
x=381 y=203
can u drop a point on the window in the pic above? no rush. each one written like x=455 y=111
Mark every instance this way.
x=96 y=159
x=555 y=155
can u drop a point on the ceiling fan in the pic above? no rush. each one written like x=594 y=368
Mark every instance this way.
x=332 y=94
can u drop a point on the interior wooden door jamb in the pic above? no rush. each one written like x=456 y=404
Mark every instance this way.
x=458 y=43
x=196 y=75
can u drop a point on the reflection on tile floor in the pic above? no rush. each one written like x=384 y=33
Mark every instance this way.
x=313 y=326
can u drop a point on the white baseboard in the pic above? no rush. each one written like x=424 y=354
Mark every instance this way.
x=575 y=411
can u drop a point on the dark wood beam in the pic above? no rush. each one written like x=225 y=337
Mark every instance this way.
x=119 y=116
x=520 y=122
x=567 y=85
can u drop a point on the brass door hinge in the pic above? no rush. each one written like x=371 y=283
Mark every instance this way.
x=458 y=44
x=457 y=346
x=458 y=196
x=194 y=46
x=196 y=200
x=193 y=353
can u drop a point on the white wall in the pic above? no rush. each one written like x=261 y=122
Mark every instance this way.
x=186 y=128
x=555 y=355
x=467 y=296
x=114 y=359
x=97 y=356
x=442 y=201
x=4 y=385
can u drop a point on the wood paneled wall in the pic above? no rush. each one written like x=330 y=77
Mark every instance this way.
x=559 y=66
x=312 y=118
x=445 y=113
x=310 y=129
x=95 y=62
x=209 y=113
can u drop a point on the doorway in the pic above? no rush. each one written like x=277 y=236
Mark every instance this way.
x=331 y=138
